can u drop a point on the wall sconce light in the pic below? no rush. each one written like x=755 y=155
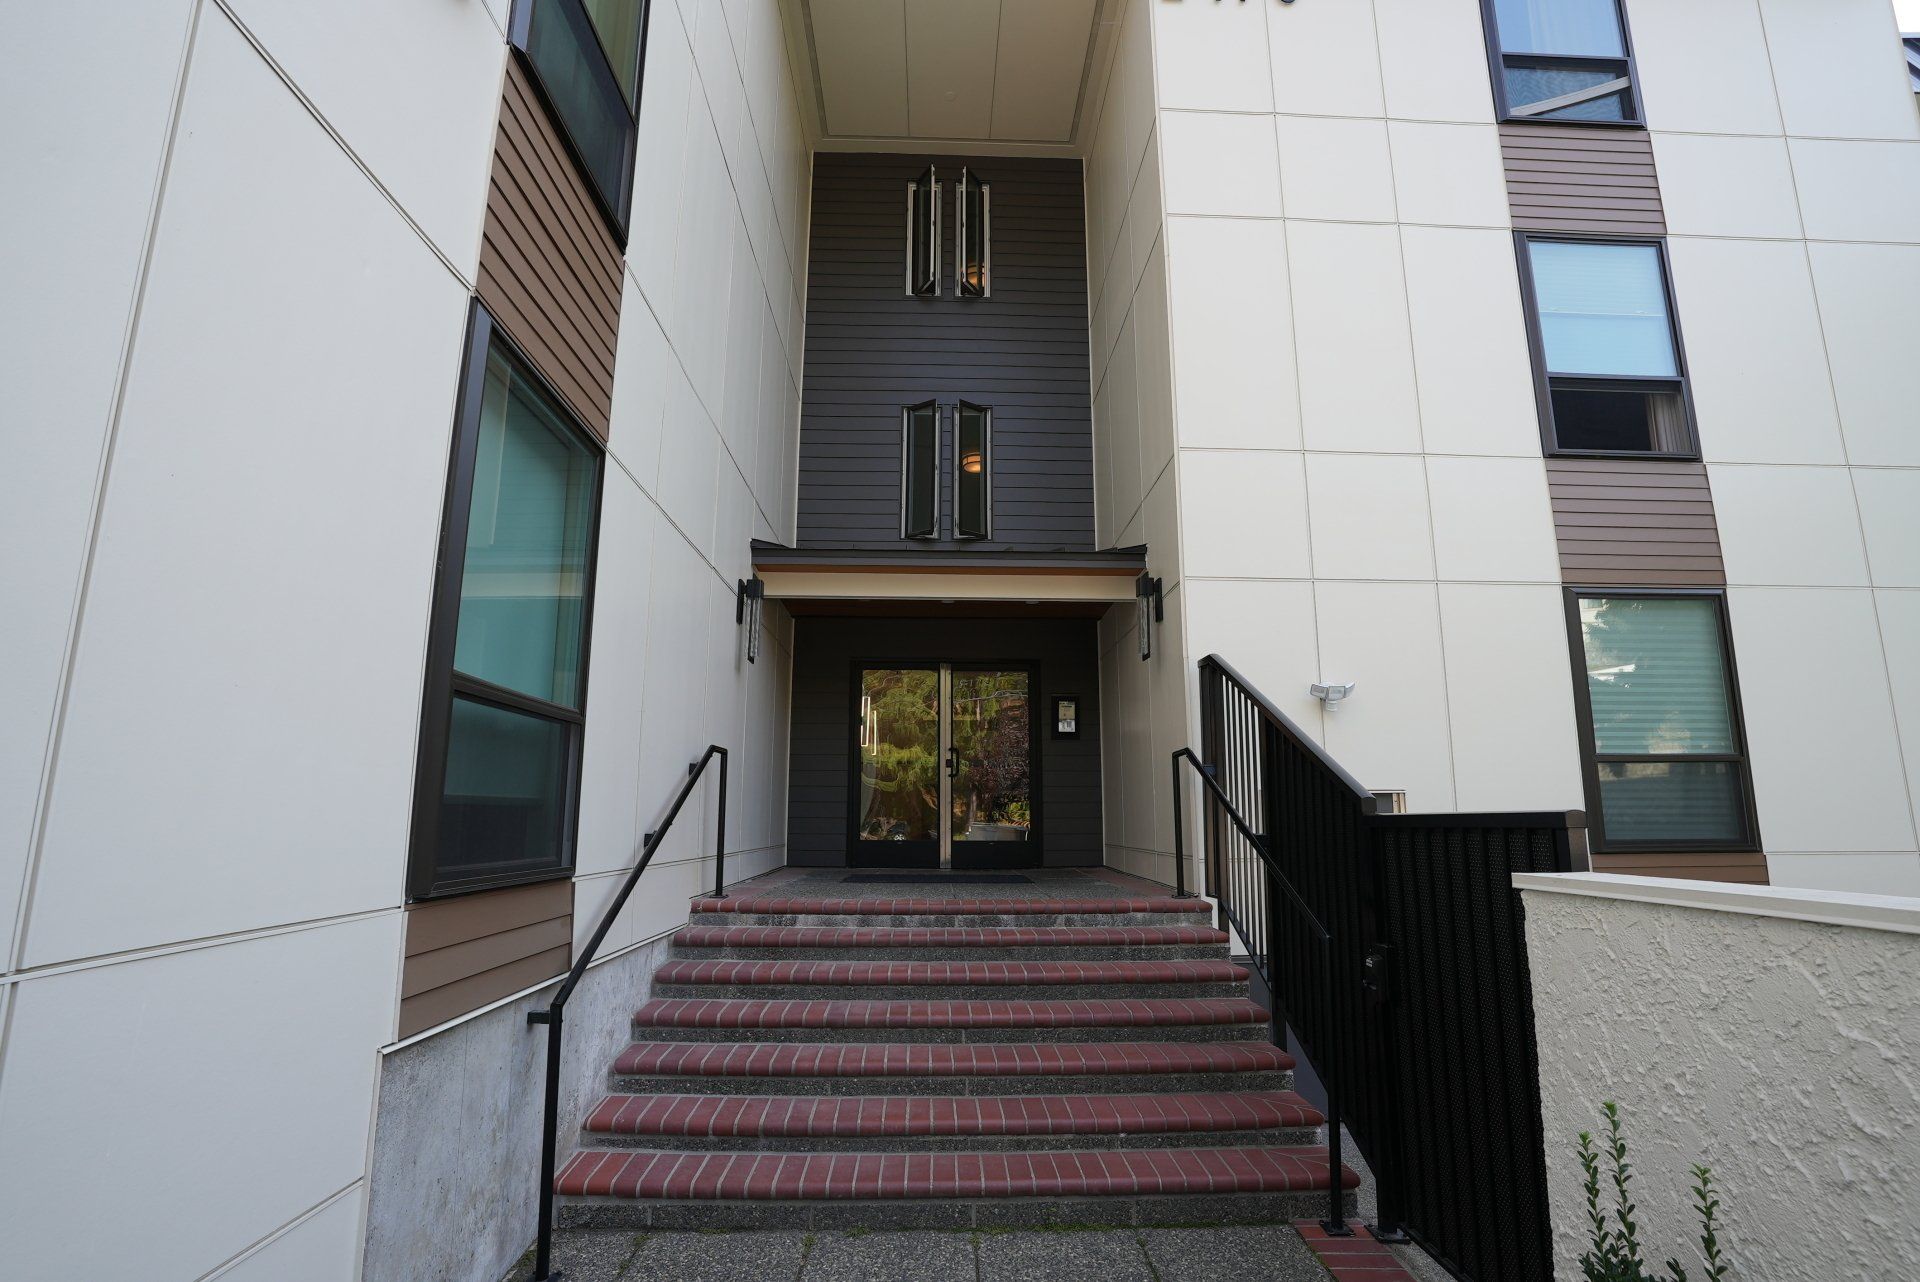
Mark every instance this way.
x=1330 y=694
x=1149 y=609
x=747 y=596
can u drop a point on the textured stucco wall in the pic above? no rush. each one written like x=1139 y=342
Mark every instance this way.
x=1783 y=1053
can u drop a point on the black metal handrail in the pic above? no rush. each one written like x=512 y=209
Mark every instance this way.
x=551 y=1016
x=1336 y=1222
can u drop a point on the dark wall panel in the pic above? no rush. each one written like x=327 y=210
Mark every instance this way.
x=871 y=349
x=1066 y=654
x=1634 y=523
x=1569 y=178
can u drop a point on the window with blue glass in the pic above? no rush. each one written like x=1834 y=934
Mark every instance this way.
x=1606 y=348
x=1665 y=756
x=1562 y=61
x=506 y=668
x=586 y=56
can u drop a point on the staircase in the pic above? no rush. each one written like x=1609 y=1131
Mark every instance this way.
x=834 y=1060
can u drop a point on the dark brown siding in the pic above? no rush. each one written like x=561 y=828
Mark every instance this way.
x=549 y=267
x=1634 y=523
x=1749 y=867
x=1561 y=178
x=871 y=349
x=473 y=949
x=1066 y=653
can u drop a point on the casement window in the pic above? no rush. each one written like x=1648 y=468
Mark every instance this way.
x=973 y=238
x=586 y=56
x=923 y=235
x=1665 y=755
x=505 y=699
x=972 y=471
x=1607 y=355
x=1562 y=61
x=920 y=471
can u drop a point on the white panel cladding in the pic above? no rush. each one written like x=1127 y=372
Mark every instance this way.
x=1516 y=744
x=74 y=250
x=1393 y=733
x=1236 y=385
x=236 y=1041
x=1325 y=59
x=1758 y=1014
x=1872 y=328
x=1031 y=98
x=660 y=164
x=1820 y=721
x=1335 y=169
x=1754 y=351
x=1838 y=69
x=1702 y=67
x=1723 y=185
x=1351 y=339
x=1433 y=59
x=1469 y=342
x=1858 y=190
x=324 y=1247
x=1492 y=521
x=1889 y=500
x=1219 y=164
x=1795 y=526
x=413 y=89
x=201 y=775
x=1899 y=616
x=1450 y=175
x=1266 y=629
x=1245 y=514
x=1368 y=516
x=1211 y=57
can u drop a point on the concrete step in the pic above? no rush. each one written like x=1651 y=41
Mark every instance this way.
x=897 y=1068
x=1042 y=980
x=950 y=943
x=789 y=1123
x=654 y=1189
x=763 y=910
x=1170 y=1019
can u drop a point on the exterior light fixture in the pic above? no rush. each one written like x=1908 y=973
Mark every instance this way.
x=971 y=462
x=747 y=596
x=1150 y=609
x=1330 y=694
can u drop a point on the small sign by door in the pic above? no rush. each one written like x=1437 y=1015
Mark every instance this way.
x=1066 y=718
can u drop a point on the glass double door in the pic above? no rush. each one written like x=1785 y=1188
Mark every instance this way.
x=945 y=768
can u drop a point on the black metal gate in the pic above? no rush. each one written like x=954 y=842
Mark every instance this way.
x=1425 y=1025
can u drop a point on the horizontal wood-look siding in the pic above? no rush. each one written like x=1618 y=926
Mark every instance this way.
x=871 y=349
x=464 y=952
x=1065 y=653
x=549 y=266
x=1561 y=178
x=1747 y=867
x=1634 y=523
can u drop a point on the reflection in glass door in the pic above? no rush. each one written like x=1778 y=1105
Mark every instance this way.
x=943 y=741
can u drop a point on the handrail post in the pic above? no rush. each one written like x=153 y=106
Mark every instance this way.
x=720 y=836
x=1180 y=890
x=549 y=1140
x=1335 y=1224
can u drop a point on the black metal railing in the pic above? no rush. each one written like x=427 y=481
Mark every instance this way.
x=1279 y=892
x=551 y=1016
x=1416 y=1012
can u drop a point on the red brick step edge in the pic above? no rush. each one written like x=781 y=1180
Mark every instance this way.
x=769 y=906
x=919 y=1059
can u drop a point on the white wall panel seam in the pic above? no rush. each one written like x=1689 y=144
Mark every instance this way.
x=260 y=1244
x=76 y=618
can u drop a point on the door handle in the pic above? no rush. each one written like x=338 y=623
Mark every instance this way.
x=953 y=763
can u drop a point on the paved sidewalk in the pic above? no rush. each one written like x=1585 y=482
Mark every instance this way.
x=1259 y=1253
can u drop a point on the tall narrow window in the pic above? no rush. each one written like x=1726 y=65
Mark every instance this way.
x=1563 y=60
x=972 y=472
x=973 y=238
x=1606 y=348
x=920 y=471
x=1666 y=761
x=586 y=56
x=923 y=234
x=506 y=678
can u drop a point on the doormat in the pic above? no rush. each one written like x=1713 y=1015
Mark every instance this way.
x=936 y=878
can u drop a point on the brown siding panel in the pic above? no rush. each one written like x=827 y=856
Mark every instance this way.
x=464 y=952
x=1634 y=523
x=1746 y=867
x=549 y=266
x=1561 y=178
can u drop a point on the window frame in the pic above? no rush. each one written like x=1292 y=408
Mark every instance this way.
x=927 y=182
x=1591 y=759
x=1544 y=379
x=1497 y=70
x=986 y=471
x=961 y=226
x=617 y=215
x=443 y=682
x=935 y=506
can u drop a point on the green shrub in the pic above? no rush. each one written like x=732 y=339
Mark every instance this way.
x=1613 y=1252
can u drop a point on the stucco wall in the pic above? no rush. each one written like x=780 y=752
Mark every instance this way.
x=1782 y=1051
